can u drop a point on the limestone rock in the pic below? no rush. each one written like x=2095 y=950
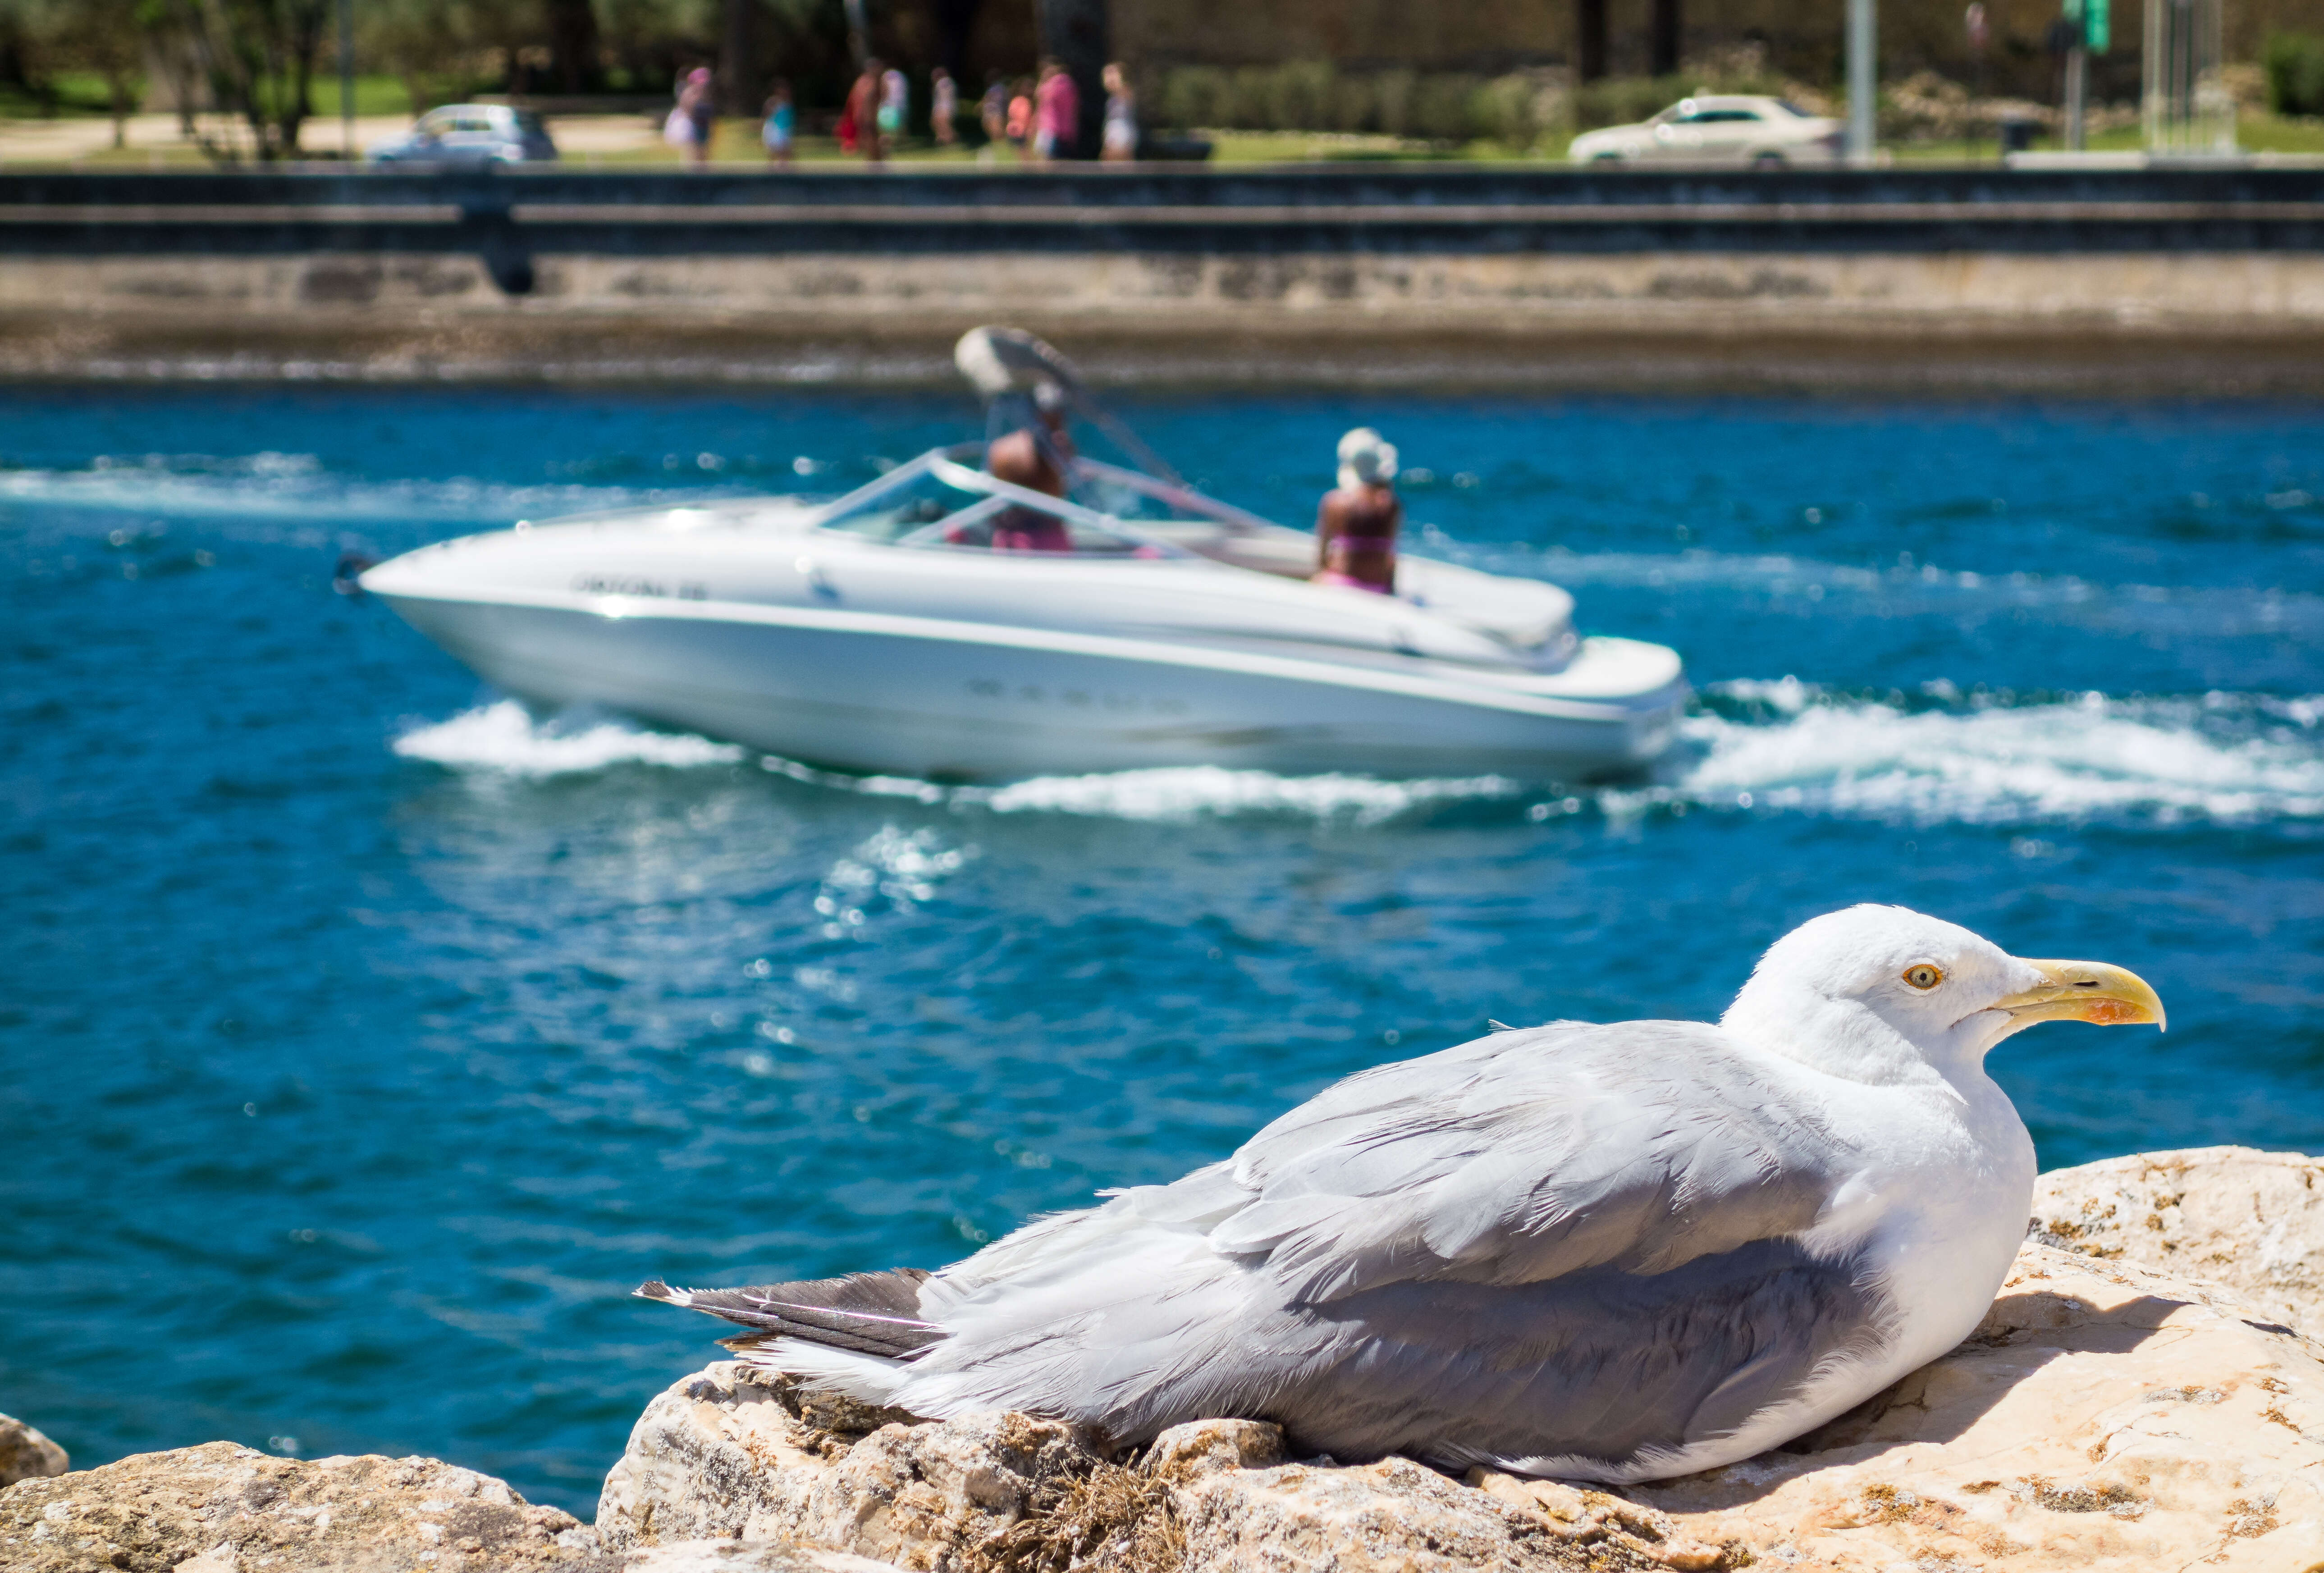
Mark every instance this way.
x=744 y=1557
x=2253 y=1221
x=229 y=1509
x=2102 y=1417
x=220 y=1508
x=1185 y=1454
x=27 y=1455
x=238 y=1508
x=1397 y=1516
x=734 y=1452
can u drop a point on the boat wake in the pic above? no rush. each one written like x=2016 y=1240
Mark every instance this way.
x=299 y=487
x=507 y=740
x=1754 y=747
x=1998 y=760
x=1195 y=791
x=1179 y=793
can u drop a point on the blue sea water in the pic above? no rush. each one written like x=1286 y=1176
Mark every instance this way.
x=364 y=1039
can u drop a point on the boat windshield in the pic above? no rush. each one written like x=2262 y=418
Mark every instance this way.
x=1034 y=524
x=1127 y=494
x=899 y=504
x=936 y=500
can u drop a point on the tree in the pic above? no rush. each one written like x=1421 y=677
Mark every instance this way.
x=103 y=36
x=738 y=64
x=1074 y=32
x=419 y=42
x=259 y=57
x=1663 y=33
x=573 y=46
x=956 y=21
x=1589 y=40
x=653 y=38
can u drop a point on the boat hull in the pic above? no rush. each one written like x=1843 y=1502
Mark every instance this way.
x=951 y=700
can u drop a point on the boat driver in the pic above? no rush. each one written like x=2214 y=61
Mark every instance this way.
x=1036 y=457
x=1356 y=523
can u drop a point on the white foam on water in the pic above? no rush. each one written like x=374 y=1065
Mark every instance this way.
x=297 y=486
x=2221 y=758
x=504 y=739
x=1199 y=791
x=1172 y=793
x=2218 y=759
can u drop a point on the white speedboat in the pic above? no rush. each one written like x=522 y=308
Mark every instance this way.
x=881 y=633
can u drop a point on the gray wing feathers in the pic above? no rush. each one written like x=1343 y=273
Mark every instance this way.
x=1525 y=1156
x=1601 y=1366
x=871 y=1313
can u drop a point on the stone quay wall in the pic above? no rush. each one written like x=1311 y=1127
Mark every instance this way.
x=2167 y=280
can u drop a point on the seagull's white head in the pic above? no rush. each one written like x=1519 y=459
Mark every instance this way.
x=1865 y=991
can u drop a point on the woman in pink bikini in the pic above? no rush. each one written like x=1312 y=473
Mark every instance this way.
x=1356 y=524
x=1036 y=460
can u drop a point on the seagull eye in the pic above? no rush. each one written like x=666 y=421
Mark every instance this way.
x=1925 y=976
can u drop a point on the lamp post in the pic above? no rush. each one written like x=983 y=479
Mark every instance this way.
x=2089 y=29
x=348 y=80
x=1862 y=80
x=1980 y=32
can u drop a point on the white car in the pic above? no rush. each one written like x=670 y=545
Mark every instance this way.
x=469 y=134
x=1761 y=134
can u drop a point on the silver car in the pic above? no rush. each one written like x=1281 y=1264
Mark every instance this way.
x=468 y=133
x=1733 y=128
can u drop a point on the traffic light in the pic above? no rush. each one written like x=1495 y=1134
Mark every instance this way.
x=2089 y=20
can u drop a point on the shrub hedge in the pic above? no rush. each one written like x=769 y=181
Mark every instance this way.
x=2294 y=64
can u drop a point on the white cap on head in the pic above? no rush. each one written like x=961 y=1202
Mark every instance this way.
x=1366 y=459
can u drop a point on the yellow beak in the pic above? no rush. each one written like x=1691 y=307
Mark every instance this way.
x=2085 y=991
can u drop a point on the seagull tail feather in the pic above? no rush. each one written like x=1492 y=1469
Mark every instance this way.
x=864 y=1313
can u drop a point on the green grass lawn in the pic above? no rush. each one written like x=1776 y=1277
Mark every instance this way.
x=374 y=95
x=1294 y=147
x=77 y=95
x=2254 y=133
x=81 y=95
x=2269 y=134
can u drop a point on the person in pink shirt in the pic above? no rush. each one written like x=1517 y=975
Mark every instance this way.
x=1036 y=460
x=1057 y=114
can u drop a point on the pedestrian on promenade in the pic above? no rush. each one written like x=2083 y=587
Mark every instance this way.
x=1120 y=141
x=781 y=126
x=944 y=107
x=895 y=108
x=677 y=129
x=1357 y=521
x=1056 y=114
x=992 y=114
x=701 y=114
x=861 y=118
x=1020 y=124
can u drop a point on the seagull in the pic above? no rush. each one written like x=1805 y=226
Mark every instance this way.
x=1591 y=1252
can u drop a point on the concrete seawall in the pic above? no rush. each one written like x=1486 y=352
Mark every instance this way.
x=2162 y=280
